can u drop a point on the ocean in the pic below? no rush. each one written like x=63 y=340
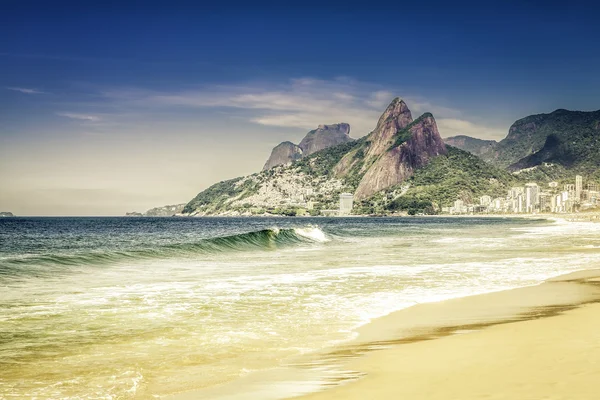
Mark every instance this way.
x=117 y=308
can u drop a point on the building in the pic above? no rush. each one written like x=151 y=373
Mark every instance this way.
x=459 y=207
x=555 y=203
x=514 y=192
x=545 y=200
x=570 y=188
x=592 y=187
x=578 y=187
x=531 y=197
x=346 y=203
x=567 y=200
x=498 y=205
x=485 y=200
x=553 y=184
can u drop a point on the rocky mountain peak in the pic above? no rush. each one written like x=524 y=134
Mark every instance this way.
x=412 y=147
x=325 y=136
x=396 y=117
x=283 y=153
x=318 y=139
x=397 y=113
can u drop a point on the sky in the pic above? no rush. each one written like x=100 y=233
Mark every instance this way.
x=109 y=107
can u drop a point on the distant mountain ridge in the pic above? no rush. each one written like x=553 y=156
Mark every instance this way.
x=404 y=165
x=165 y=211
x=380 y=169
x=472 y=145
x=318 y=139
x=568 y=138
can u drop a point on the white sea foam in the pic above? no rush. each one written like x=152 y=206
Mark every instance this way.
x=313 y=233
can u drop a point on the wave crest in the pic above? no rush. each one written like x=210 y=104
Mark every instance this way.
x=264 y=239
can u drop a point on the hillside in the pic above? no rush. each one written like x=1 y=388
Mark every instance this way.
x=567 y=138
x=165 y=211
x=471 y=144
x=402 y=165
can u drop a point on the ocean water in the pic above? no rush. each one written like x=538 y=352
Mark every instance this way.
x=117 y=308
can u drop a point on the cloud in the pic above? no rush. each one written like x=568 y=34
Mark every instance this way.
x=25 y=90
x=302 y=103
x=81 y=117
x=453 y=127
x=299 y=103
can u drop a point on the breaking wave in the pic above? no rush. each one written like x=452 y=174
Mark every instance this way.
x=264 y=239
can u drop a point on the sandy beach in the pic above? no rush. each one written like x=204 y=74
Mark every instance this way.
x=537 y=342
x=531 y=343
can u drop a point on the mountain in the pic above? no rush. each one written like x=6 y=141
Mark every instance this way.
x=392 y=152
x=568 y=138
x=458 y=175
x=325 y=136
x=283 y=153
x=402 y=165
x=318 y=139
x=165 y=211
x=471 y=144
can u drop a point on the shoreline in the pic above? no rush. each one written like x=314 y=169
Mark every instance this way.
x=473 y=335
x=354 y=369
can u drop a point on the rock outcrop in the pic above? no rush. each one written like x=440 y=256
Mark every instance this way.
x=323 y=137
x=6 y=214
x=282 y=154
x=396 y=117
x=391 y=153
x=414 y=146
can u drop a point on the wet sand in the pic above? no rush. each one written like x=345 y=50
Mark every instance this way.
x=539 y=342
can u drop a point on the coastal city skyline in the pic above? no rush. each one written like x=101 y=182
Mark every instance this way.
x=533 y=198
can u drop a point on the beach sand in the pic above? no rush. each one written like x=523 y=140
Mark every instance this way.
x=539 y=342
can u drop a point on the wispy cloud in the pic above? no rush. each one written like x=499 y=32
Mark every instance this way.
x=81 y=117
x=25 y=90
x=301 y=103
x=452 y=127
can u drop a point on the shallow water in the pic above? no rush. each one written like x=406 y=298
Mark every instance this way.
x=131 y=307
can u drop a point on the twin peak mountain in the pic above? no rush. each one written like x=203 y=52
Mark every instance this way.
x=386 y=157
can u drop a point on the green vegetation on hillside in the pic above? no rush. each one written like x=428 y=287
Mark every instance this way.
x=215 y=195
x=458 y=175
x=575 y=141
x=405 y=134
x=322 y=162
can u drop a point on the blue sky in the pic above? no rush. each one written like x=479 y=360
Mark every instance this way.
x=106 y=107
